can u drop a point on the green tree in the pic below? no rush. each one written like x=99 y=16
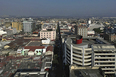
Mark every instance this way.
x=97 y=30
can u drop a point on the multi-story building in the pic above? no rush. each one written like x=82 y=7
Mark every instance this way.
x=90 y=52
x=110 y=37
x=104 y=56
x=48 y=31
x=76 y=53
x=28 y=26
x=81 y=30
x=48 y=34
x=17 y=25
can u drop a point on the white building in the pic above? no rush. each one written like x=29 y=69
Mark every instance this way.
x=92 y=52
x=28 y=26
x=79 y=54
x=89 y=22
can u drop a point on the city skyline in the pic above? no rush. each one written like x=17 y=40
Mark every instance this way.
x=58 y=8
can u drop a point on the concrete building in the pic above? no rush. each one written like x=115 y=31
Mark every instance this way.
x=110 y=37
x=81 y=30
x=104 y=56
x=48 y=31
x=17 y=25
x=48 y=34
x=28 y=26
x=79 y=54
x=31 y=73
x=90 y=52
x=76 y=71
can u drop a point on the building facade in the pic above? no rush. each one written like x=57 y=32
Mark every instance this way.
x=90 y=53
x=79 y=54
x=48 y=31
x=48 y=34
x=104 y=56
x=81 y=30
x=17 y=25
x=110 y=37
x=28 y=26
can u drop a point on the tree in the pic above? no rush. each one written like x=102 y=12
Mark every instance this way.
x=97 y=30
x=55 y=61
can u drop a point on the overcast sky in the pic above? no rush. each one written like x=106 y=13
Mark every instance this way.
x=58 y=7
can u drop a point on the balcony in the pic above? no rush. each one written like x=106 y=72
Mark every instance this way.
x=77 y=59
x=67 y=51
x=77 y=55
x=77 y=63
x=76 y=48
x=68 y=62
x=104 y=54
x=104 y=65
x=77 y=51
x=104 y=61
x=88 y=53
x=96 y=57
x=87 y=56
x=112 y=72
x=86 y=60
x=67 y=58
x=68 y=55
x=87 y=63
x=107 y=68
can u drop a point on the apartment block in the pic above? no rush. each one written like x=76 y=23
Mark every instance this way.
x=28 y=26
x=48 y=31
x=48 y=34
x=81 y=30
x=17 y=25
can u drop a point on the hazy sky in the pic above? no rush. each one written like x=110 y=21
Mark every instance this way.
x=58 y=7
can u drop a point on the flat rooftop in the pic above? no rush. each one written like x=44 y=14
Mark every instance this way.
x=34 y=43
x=87 y=41
x=100 y=47
x=85 y=73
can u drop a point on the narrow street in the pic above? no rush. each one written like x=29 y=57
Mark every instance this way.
x=57 y=66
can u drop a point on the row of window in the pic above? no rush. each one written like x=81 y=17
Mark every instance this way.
x=47 y=37
x=47 y=33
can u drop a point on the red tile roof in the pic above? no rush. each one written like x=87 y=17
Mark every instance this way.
x=32 y=48
x=49 y=48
